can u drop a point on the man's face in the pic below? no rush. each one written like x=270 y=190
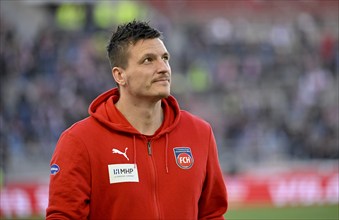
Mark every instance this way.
x=148 y=73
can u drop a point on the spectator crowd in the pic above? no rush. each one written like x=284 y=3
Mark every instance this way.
x=270 y=90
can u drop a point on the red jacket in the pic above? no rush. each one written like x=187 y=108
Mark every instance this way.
x=103 y=168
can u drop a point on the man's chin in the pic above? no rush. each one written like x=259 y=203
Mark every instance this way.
x=163 y=94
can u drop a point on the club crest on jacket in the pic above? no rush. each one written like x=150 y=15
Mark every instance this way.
x=183 y=157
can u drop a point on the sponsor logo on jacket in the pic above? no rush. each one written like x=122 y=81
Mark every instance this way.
x=55 y=169
x=116 y=151
x=119 y=173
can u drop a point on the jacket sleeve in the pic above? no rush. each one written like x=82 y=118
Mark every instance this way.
x=213 y=201
x=69 y=188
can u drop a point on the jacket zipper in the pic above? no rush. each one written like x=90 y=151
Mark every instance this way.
x=154 y=181
x=149 y=148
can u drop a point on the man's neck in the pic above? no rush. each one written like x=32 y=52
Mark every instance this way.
x=144 y=117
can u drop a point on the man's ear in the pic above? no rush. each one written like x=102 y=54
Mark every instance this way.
x=119 y=76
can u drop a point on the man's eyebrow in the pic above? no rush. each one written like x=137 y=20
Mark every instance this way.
x=148 y=55
x=152 y=55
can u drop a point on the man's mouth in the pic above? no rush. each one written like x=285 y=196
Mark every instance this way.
x=162 y=80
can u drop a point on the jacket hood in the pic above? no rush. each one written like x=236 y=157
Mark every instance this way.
x=104 y=111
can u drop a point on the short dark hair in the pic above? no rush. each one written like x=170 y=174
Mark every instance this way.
x=125 y=35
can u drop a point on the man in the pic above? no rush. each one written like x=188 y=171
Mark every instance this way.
x=137 y=156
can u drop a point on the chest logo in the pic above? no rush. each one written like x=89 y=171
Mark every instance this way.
x=116 y=151
x=120 y=173
x=183 y=157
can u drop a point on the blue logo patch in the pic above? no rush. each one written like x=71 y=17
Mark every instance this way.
x=55 y=169
x=183 y=157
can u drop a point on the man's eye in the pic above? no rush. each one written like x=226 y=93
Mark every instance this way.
x=166 y=57
x=147 y=60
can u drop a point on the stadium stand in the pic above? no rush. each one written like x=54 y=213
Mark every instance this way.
x=263 y=73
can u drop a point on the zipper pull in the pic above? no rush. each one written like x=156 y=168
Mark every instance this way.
x=149 y=148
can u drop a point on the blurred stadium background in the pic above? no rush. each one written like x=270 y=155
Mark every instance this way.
x=263 y=73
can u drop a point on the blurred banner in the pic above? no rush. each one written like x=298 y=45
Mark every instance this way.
x=292 y=188
x=300 y=188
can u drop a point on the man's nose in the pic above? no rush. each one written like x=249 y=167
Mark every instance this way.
x=163 y=66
